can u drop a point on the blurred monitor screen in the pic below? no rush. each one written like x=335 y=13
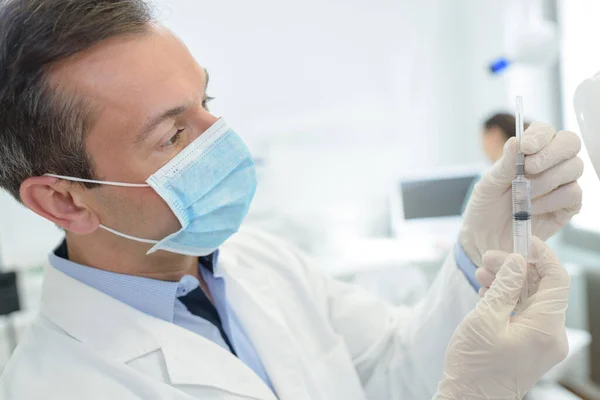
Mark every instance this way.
x=431 y=198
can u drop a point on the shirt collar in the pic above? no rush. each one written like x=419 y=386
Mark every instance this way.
x=151 y=296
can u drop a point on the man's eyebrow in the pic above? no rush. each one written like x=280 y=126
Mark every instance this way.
x=155 y=121
x=172 y=113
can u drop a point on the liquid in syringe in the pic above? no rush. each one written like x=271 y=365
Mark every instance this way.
x=521 y=199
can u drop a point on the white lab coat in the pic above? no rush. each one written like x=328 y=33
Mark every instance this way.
x=317 y=338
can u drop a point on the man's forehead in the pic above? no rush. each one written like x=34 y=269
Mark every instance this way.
x=129 y=69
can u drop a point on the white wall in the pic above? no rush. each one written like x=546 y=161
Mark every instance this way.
x=341 y=95
x=347 y=94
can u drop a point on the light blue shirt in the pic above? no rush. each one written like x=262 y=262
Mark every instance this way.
x=160 y=299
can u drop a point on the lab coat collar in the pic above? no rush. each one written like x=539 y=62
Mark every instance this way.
x=117 y=331
x=112 y=328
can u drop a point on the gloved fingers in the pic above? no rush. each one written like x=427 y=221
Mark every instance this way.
x=541 y=254
x=483 y=291
x=567 y=197
x=536 y=137
x=564 y=146
x=545 y=225
x=553 y=278
x=544 y=150
x=503 y=295
x=548 y=300
x=559 y=175
x=492 y=260
x=484 y=277
x=563 y=216
x=544 y=311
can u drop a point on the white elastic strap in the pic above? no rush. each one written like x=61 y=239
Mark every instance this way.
x=69 y=178
x=137 y=239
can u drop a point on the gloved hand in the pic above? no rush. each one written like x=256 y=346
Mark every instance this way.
x=495 y=356
x=552 y=165
x=492 y=261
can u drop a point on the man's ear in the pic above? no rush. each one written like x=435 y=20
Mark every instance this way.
x=54 y=199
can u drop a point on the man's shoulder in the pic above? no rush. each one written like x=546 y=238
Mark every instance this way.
x=251 y=241
x=50 y=364
x=42 y=360
x=261 y=249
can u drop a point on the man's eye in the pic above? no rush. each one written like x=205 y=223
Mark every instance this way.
x=205 y=102
x=174 y=139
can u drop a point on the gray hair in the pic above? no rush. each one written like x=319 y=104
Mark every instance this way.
x=42 y=127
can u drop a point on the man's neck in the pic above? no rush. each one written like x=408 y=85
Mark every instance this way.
x=108 y=252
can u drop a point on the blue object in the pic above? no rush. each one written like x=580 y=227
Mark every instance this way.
x=499 y=65
x=466 y=266
x=160 y=299
x=209 y=186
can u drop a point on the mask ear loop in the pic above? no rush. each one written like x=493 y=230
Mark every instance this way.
x=69 y=178
x=123 y=235
x=106 y=228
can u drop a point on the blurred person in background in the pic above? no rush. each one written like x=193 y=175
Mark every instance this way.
x=497 y=130
x=156 y=292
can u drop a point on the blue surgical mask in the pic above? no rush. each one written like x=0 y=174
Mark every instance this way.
x=209 y=186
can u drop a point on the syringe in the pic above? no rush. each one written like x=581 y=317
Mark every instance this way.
x=521 y=198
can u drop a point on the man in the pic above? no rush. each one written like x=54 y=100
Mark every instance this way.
x=106 y=133
x=497 y=130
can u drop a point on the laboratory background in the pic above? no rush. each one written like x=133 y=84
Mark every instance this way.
x=365 y=119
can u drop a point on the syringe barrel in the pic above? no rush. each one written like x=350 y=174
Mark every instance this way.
x=521 y=197
x=522 y=238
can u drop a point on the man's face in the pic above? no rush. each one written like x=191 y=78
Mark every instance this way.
x=150 y=96
x=493 y=141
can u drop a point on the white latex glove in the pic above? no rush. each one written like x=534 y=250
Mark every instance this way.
x=492 y=262
x=552 y=165
x=495 y=356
